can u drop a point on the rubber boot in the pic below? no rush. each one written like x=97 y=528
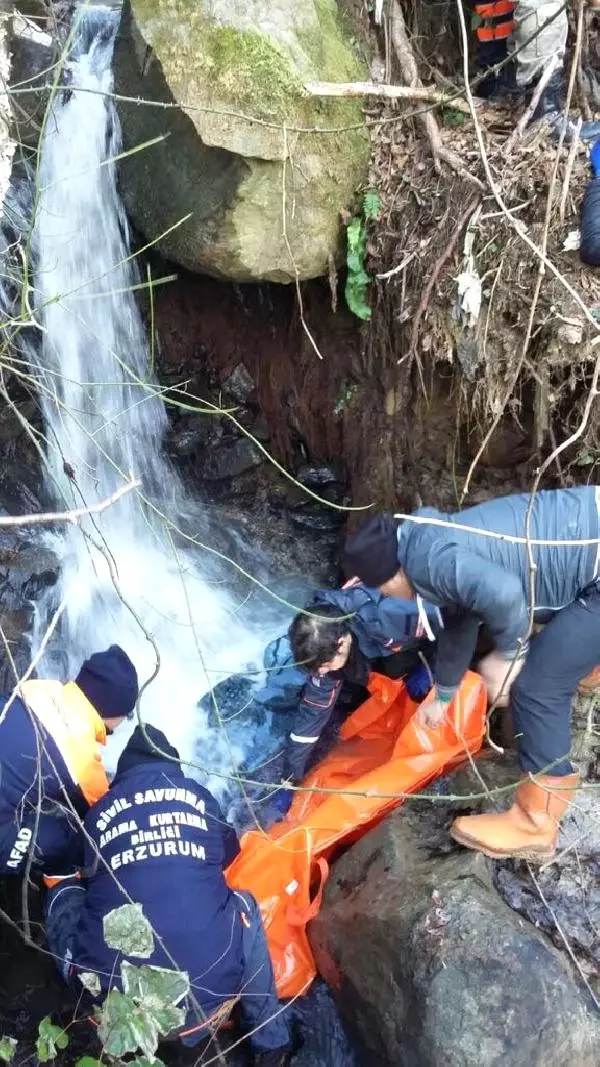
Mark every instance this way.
x=528 y=830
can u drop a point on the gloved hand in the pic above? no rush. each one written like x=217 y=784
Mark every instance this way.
x=282 y=802
x=595 y=158
x=418 y=682
x=433 y=713
x=494 y=669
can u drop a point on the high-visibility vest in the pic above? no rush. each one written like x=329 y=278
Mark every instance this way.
x=497 y=20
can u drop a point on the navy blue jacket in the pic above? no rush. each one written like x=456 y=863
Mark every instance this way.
x=164 y=839
x=486 y=580
x=381 y=627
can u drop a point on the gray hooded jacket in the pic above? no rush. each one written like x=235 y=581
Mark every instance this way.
x=486 y=580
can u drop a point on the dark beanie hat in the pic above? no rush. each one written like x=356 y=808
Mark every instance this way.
x=109 y=681
x=371 y=552
x=139 y=750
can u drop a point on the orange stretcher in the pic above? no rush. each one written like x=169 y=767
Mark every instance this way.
x=381 y=754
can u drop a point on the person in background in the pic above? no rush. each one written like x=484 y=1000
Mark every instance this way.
x=159 y=839
x=589 y=246
x=486 y=580
x=531 y=32
x=50 y=766
x=331 y=648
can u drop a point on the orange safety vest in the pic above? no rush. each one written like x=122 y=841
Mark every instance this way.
x=497 y=20
x=76 y=729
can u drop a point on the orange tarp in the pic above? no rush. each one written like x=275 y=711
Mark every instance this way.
x=382 y=753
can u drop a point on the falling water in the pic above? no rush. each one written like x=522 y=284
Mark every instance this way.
x=125 y=574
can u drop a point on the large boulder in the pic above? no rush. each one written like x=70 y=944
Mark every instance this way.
x=264 y=200
x=432 y=968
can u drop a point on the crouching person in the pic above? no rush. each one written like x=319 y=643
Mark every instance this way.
x=51 y=770
x=159 y=839
x=343 y=635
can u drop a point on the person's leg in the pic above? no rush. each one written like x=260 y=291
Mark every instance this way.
x=263 y=1015
x=560 y=656
x=63 y=908
x=532 y=55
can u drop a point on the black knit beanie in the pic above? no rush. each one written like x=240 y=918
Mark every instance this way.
x=109 y=681
x=371 y=552
x=138 y=750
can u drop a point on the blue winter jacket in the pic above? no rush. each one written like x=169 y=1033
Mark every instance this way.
x=381 y=626
x=486 y=580
x=164 y=839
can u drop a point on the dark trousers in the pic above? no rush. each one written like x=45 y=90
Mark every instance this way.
x=565 y=651
x=263 y=1016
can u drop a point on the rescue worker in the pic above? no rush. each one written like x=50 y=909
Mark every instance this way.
x=533 y=31
x=325 y=655
x=50 y=762
x=486 y=581
x=159 y=839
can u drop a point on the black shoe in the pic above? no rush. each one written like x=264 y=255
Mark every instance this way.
x=550 y=109
x=277 y=1057
x=550 y=103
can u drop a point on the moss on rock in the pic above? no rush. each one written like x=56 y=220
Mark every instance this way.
x=228 y=62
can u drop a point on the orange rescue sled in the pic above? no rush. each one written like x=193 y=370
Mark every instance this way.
x=382 y=752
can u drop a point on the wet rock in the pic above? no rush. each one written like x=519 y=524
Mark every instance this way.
x=430 y=966
x=191 y=434
x=570 y=886
x=229 y=459
x=27 y=567
x=33 y=55
x=240 y=384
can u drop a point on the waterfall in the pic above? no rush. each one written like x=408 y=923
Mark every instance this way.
x=126 y=573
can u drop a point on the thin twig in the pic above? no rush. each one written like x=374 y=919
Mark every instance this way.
x=569 y=168
x=523 y=122
x=67 y=516
x=443 y=259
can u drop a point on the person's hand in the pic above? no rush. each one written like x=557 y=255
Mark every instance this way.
x=282 y=802
x=432 y=713
x=499 y=673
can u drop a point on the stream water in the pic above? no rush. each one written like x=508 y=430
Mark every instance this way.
x=127 y=575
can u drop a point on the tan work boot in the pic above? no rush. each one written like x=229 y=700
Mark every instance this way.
x=528 y=830
x=591 y=682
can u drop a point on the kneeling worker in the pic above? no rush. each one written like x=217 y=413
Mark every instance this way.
x=343 y=635
x=159 y=839
x=485 y=580
x=50 y=765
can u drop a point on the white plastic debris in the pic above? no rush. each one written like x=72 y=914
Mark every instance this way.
x=572 y=241
x=469 y=295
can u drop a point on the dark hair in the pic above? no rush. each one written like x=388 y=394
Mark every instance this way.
x=315 y=641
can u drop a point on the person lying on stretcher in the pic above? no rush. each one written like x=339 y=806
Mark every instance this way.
x=327 y=656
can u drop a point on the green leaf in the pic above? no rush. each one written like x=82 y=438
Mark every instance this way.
x=371 y=204
x=125 y=1027
x=51 y=1038
x=452 y=117
x=90 y=981
x=158 y=990
x=357 y=280
x=8 y=1047
x=128 y=930
x=89 y=1061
